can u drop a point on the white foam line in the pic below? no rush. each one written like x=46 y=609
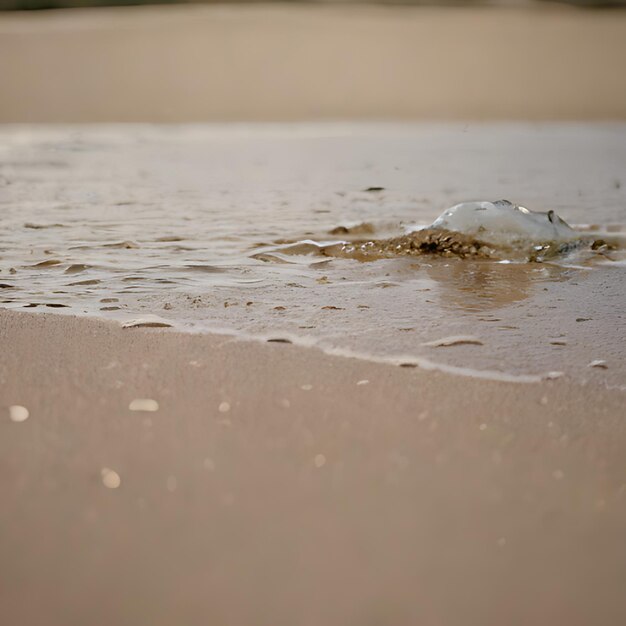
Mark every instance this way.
x=396 y=360
x=310 y=342
x=455 y=370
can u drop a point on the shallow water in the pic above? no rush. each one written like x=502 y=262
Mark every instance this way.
x=197 y=225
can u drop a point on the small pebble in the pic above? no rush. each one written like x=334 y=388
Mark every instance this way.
x=306 y=387
x=553 y=375
x=455 y=340
x=224 y=407
x=598 y=363
x=143 y=404
x=363 y=382
x=319 y=460
x=146 y=323
x=18 y=413
x=110 y=478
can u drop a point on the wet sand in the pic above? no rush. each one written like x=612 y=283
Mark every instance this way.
x=281 y=62
x=274 y=486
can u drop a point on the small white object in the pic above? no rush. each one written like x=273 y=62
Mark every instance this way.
x=363 y=382
x=224 y=407
x=147 y=322
x=143 y=404
x=18 y=413
x=455 y=340
x=598 y=363
x=319 y=460
x=110 y=478
x=553 y=375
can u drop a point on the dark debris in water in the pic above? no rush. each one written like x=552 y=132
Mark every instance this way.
x=430 y=241
x=77 y=268
x=122 y=245
x=168 y=239
x=268 y=258
x=42 y=226
x=52 y=305
x=360 y=229
x=209 y=269
x=48 y=263
x=427 y=241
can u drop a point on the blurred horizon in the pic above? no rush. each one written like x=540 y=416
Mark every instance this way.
x=35 y=5
x=296 y=61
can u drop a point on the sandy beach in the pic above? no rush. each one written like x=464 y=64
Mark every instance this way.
x=352 y=481
x=275 y=486
x=306 y=443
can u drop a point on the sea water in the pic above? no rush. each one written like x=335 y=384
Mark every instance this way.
x=236 y=228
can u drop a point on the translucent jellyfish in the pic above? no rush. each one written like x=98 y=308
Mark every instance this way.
x=504 y=223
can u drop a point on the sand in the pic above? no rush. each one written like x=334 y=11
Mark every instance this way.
x=277 y=485
x=282 y=62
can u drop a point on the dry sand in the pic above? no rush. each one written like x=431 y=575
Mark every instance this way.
x=281 y=62
x=270 y=487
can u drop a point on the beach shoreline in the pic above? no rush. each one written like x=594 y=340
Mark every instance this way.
x=336 y=457
x=223 y=227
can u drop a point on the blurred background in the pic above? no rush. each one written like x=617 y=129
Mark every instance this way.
x=235 y=61
x=21 y=5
